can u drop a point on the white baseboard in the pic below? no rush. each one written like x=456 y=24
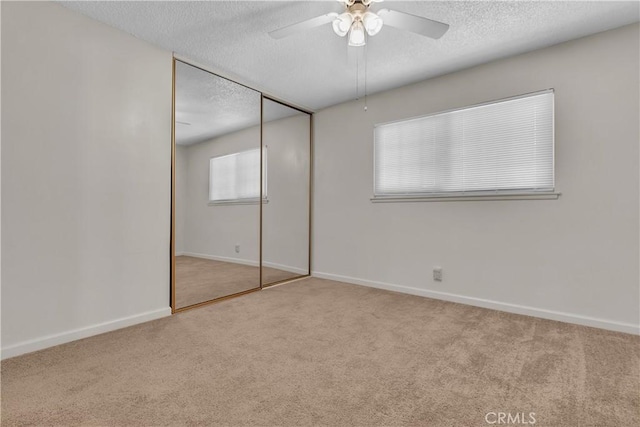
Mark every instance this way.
x=222 y=258
x=179 y=253
x=76 y=334
x=628 y=328
x=290 y=269
x=252 y=263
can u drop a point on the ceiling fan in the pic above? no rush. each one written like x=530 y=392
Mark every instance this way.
x=358 y=19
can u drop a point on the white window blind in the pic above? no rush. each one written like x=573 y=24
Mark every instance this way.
x=505 y=146
x=236 y=177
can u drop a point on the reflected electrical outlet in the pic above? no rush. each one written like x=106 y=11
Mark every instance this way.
x=237 y=249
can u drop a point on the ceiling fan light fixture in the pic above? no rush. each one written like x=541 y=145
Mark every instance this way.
x=356 y=35
x=372 y=23
x=342 y=24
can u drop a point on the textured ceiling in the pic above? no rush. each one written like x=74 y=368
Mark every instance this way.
x=314 y=70
x=208 y=106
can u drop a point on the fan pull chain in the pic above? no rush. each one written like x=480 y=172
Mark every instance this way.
x=357 y=75
x=365 y=77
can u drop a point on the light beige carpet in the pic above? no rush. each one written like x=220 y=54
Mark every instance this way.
x=200 y=280
x=317 y=352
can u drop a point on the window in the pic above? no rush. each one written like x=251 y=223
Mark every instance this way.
x=504 y=147
x=236 y=177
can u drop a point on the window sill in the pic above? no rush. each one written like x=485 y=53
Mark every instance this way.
x=237 y=202
x=467 y=197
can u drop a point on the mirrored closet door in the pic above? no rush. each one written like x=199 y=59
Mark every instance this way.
x=241 y=180
x=286 y=146
x=216 y=219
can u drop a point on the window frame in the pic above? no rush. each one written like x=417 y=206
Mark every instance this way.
x=246 y=200
x=497 y=194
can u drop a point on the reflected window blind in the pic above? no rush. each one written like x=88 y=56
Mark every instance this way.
x=236 y=176
x=503 y=146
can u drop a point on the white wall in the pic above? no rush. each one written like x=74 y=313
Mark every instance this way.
x=85 y=177
x=285 y=230
x=181 y=194
x=574 y=259
x=216 y=230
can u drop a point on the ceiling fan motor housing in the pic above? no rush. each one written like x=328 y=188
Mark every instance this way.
x=357 y=9
x=356 y=20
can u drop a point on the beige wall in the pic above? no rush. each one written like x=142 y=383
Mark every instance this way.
x=86 y=125
x=573 y=259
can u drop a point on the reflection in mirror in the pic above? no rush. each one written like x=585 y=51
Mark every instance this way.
x=217 y=187
x=286 y=137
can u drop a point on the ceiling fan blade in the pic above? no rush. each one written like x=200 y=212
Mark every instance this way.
x=303 y=26
x=415 y=24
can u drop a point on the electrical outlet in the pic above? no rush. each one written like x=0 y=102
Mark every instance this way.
x=437 y=274
x=237 y=249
